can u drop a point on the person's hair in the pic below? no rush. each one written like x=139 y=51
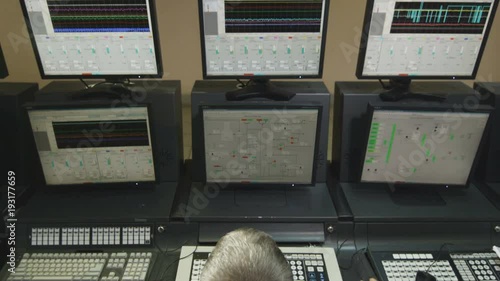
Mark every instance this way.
x=246 y=255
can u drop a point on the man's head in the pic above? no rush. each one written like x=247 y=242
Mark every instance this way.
x=246 y=255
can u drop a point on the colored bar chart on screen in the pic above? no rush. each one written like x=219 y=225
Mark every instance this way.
x=440 y=17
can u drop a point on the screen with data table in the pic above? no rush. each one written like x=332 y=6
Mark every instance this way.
x=260 y=145
x=94 y=145
x=422 y=147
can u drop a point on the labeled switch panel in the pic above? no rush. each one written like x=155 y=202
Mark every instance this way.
x=90 y=236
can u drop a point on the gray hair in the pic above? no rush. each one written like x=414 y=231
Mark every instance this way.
x=246 y=255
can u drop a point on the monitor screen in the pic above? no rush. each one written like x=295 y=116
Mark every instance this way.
x=422 y=147
x=246 y=38
x=260 y=145
x=93 y=145
x=424 y=39
x=94 y=39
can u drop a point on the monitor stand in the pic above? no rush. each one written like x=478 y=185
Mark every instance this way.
x=399 y=89
x=110 y=89
x=260 y=197
x=260 y=88
x=415 y=196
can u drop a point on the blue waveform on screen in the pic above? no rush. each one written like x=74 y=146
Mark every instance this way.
x=474 y=13
x=440 y=17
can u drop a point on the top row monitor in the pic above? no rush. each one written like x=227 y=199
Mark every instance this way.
x=260 y=39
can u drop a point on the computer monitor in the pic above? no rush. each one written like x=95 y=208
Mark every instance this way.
x=94 y=145
x=260 y=145
x=103 y=39
x=260 y=40
x=422 y=146
x=423 y=39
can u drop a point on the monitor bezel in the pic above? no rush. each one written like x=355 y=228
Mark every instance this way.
x=265 y=185
x=96 y=105
x=156 y=42
x=372 y=107
x=364 y=43
x=293 y=76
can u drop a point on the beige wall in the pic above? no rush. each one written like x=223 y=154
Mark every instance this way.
x=179 y=33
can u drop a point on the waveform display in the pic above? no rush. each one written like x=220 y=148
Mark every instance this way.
x=99 y=16
x=90 y=133
x=440 y=17
x=273 y=16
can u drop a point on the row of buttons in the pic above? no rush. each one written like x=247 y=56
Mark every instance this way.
x=44 y=236
x=303 y=257
x=412 y=256
x=474 y=256
x=136 y=235
x=81 y=236
x=106 y=236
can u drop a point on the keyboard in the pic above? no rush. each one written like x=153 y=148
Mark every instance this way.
x=445 y=266
x=309 y=264
x=118 y=266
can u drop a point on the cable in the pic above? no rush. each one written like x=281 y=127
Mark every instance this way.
x=164 y=253
x=84 y=83
x=352 y=258
x=384 y=85
x=340 y=247
x=176 y=261
x=439 y=255
x=243 y=84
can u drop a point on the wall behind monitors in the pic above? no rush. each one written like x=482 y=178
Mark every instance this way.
x=424 y=39
x=244 y=38
x=99 y=38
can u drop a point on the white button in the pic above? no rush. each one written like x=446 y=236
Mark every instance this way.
x=320 y=269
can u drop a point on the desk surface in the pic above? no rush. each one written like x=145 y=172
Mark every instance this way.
x=373 y=203
x=93 y=205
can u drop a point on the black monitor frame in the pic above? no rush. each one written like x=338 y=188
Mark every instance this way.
x=96 y=105
x=119 y=77
x=262 y=77
x=372 y=107
x=264 y=185
x=364 y=44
